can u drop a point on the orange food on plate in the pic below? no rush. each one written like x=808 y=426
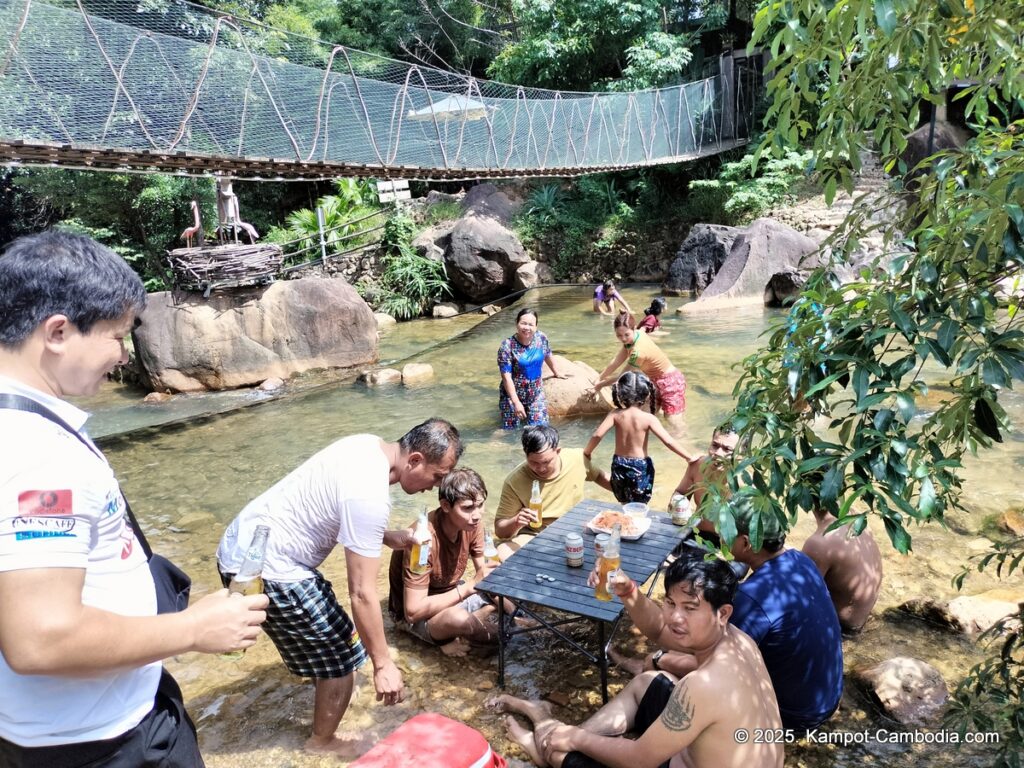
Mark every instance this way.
x=606 y=520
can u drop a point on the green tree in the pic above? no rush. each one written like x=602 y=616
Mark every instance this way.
x=585 y=44
x=942 y=307
x=140 y=216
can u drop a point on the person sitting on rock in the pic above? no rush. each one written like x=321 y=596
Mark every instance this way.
x=692 y=722
x=850 y=563
x=438 y=605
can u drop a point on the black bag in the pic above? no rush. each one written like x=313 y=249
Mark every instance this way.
x=172 y=584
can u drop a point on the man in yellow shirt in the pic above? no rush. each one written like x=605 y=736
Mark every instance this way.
x=561 y=474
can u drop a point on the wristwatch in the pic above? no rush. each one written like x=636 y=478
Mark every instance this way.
x=656 y=659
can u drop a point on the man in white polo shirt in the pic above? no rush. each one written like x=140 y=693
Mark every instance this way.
x=81 y=681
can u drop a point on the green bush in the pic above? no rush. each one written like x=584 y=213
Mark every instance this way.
x=409 y=283
x=738 y=195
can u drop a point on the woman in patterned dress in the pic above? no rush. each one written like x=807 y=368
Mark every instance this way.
x=521 y=359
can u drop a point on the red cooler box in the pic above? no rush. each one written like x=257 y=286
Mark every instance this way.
x=431 y=740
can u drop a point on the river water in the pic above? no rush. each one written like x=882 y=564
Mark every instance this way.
x=187 y=480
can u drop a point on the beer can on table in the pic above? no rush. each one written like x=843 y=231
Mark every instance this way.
x=599 y=543
x=574 y=550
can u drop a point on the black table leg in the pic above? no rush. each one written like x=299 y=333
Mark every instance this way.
x=602 y=659
x=501 y=641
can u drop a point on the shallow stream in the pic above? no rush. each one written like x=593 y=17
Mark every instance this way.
x=187 y=480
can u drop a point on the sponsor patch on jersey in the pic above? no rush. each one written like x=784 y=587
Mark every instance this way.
x=44 y=503
x=25 y=535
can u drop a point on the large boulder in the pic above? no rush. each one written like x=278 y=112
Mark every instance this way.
x=188 y=343
x=572 y=396
x=924 y=142
x=758 y=252
x=532 y=274
x=910 y=691
x=486 y=200
x=482 y=258
x=699 y=258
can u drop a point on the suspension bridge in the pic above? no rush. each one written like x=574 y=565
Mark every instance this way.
x=167 y=86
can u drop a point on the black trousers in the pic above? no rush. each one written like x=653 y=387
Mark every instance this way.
x=651 y=706
x=166 y=738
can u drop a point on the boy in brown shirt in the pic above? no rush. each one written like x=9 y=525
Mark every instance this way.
x=439 y=606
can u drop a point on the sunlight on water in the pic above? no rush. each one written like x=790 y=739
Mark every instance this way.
x=187 y=483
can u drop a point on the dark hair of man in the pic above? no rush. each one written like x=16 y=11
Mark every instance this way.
x=625 y=320
x=60 y=273
x=433 y=438
x=460 y=484
x=538 y=438
x=713 y=580
x=633 y=388
x=772 y=537
x=527 y=311
x=724 y=429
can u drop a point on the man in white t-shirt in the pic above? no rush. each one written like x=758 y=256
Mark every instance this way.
x=338 y=496
x=80 y=639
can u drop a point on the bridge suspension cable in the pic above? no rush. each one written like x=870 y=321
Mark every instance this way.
x=164 y=85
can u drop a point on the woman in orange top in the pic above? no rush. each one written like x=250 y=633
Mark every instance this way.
x=640 y=352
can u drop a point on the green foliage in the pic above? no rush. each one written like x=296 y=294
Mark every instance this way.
x=586 y=44
x=445 y=210
x=742 y=192
x=346 y=225
x=409 y=283
x=991 y=697
x=141 y=216
x=856 y=353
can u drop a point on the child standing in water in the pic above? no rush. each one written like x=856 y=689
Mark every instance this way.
x=632 y=474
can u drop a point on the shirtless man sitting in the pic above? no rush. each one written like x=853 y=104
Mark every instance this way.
x=707 y=471
x=691 y=723
x=851 y=565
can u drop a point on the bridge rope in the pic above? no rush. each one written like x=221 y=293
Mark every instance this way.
x=164 y=85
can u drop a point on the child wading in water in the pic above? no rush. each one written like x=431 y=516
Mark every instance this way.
x=632 y=477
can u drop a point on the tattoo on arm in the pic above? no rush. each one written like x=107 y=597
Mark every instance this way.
x=678 y=714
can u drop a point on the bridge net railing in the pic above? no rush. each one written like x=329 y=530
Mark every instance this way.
x=158 y=77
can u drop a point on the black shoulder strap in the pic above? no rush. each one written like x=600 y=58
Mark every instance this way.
x=21 y=403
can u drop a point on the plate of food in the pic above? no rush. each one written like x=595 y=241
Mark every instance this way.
x=633 y=527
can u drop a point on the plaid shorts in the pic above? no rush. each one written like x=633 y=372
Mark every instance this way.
x=311 y=631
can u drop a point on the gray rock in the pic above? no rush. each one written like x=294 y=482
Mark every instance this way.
x=486 y=200
x=699 y=258
x=417 y=373
x=909 y=690
x=272 y=384
x=784 y=287
x=946 y=136
x=157 y=397
x=969 y=614
x=434 y=197
x=482 y=258
x=384 y=320
x=573 y=395
x=432 y=241
x=533 y=274
x=188 y=343
x=381 y=376
x=445 y=309
x=758 y=252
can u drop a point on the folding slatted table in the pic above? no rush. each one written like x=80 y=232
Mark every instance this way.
x=516 y=579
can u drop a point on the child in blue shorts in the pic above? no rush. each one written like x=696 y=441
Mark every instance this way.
x=632 y=474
